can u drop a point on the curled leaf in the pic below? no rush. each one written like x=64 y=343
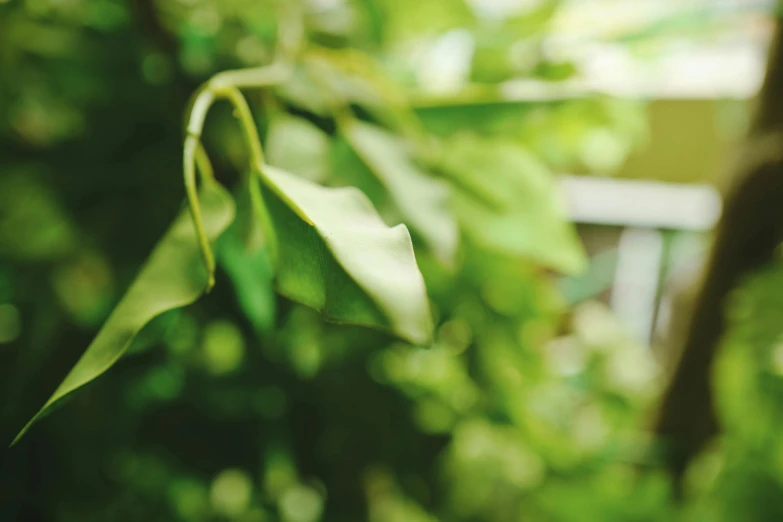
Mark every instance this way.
x=174 y=276
x=422 y=200
x=336 y=255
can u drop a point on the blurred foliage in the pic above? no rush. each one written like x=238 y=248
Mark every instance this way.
x=739 y=476
x=248 y=407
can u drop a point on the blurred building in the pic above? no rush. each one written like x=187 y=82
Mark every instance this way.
x=697 y=66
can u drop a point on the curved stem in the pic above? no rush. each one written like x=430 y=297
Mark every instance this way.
x=226 y=85
x=223 y=85
x=273 y=74
x=189 y=167
x=198 y=112
x=248 y=123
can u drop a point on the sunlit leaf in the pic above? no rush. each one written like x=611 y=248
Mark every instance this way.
x=174 y=276
x=422 y=200
x=336 y=255
x=507 y=200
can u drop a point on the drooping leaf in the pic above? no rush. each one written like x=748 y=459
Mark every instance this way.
x=508 y=201
x=296 y=145
x=422 y=200
x=243 y=255
x=174 y=276
x=336 y=255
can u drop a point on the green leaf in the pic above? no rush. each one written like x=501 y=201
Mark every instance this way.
x=336 y=255
x=242 y=255
x=422 y=200
x=301 y=91
x=508 y=201
x=174 y=276
x=297 y=146
x=478 y=112
x=336 y=76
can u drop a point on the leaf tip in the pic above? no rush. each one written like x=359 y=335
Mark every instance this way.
x=22 y=432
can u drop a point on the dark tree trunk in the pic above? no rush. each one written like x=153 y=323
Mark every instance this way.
x=750 y=230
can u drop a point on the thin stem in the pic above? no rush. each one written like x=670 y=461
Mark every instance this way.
x=256 y=77
x=226 y=85
x=198 y=112
x=189 y=168
x=248 y=123
x=223 y=85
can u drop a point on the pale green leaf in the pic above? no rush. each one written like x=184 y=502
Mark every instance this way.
x=508 y=201
x=422 y=200
x=302 y=91
x=174 y=276
x=296 y=145
x=336 y=255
